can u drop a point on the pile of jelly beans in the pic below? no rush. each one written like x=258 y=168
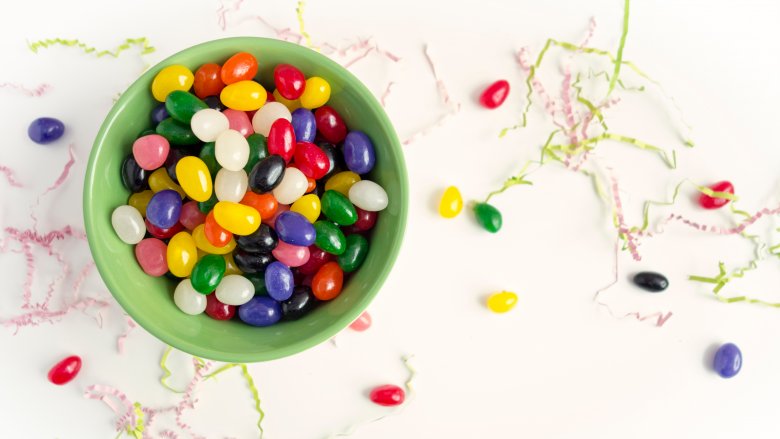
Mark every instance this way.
x=255 y=203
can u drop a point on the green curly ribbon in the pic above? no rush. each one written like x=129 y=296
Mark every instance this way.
x=167 y=372
x=299 y=15
x=129 y=42
x=518 y=179
x=252 y=389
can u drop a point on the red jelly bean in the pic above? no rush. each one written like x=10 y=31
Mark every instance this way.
x=281 y=139
x=311 y=160
x=239 y=67
x=495 y=95
x=215 y=234
x=160 y=233
x=289 y=81
x=191 y=216
x=317 y=258
x=65 y=370
x=330 y=124
x=361 y=323
x=709 y=202
x=207 y=81
x=388 y=395
x=365 y=222
x=328 y=281
x=218 y=310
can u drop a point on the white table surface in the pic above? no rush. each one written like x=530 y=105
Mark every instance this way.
x=557 y=366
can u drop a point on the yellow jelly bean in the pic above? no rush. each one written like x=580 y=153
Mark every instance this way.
x=236 y=218
x=243 y=96
x=140 y=200
x=308 y=206
x=316 y=93
x=341 y=182
x=199 y=235
x=182 y=254
x=451 y=203
x=194 y=178
x=159 y=181
x=291 y=105
x=171 y=78
x=502 y=302
x=230 y=265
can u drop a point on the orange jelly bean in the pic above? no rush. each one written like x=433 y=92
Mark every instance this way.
x=239 y=67
x=328 y=281
x=215 y=234
x=208 y=81
x=266 y=204
x=312 y=184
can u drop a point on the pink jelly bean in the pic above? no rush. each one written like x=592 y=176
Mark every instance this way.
x=279 y=209
x=291 y=255
x=239 y=121
x=151 y=254
x=191 y=216
x=150 y=151
x=361 y=323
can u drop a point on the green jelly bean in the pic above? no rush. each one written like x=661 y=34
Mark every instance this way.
x=182 y=105
x=329 y=237
x=208 y=155
x=146 y=132
x=355 y=253
x=206 y=206
x=208 y=273
x=488 y=217
x=258 y=280
x=338 y=208
x=176 y=132
x=258 y=150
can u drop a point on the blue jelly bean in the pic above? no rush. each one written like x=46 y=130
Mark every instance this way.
x=214 y=102
x=159 y=113
x=45 y=130
x=164 y=209
x=279 y=281
x=260 y=311
x=728 y=360
x=359 y=152
x=293 y=228
x=304 y=125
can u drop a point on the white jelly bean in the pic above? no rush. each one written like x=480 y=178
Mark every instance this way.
x=266 y=116
x=235 y=290
x=231 y=150
x=208 y=124
x=230 y=185
x=292 y=187
x=188 y=299
x=128 y=224
x=368 y=195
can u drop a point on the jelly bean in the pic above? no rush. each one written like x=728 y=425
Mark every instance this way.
x=368 y=195
x=388 y=395
x=330 y=124
x=208 y=273
x=159 y=113
x=279 y=281
x=215 y=103
x=258 y=150
x=329 y=237
x=281 y=139
x=231 y=185
x=279 y=209
x=338 y=208
x=342 y=182
x=65 y=370
x=264 y=204
x=289 y=81
x=293 y=228
x=292 y=187
x=267 y=174
x=299 y=304
x=231 y=150
x=177 y=133
x=495 y=94
x=160 y=181
x=236 y=218
x=191 y=216
x=164 y=209
x=361 y=323
x=203 y=243
x=317 y=258
x=311 y=184
x=502 y=302
x=291 y=255
x=316 y=93
x=309 y=206
x=311 y=160
x=208 y=124
x=728 y=360
x=182 y=254
x=359 y=152
x=151 y=254
x=230 y=265
x=709 y=202
x=328 y=281
x=488 y=217
x=243 y=96
x=304 y=125
x=188 y=300
x=260 y=311
x=451 y=203
x=252 y=262
x=258 y=281
x=134 y=177
x=140 y=200
x=161 y=233
x=182 y=105
x=355 y=252
x=128 y=224
x=174 y=155
x=650 y=281
x=208 y=205
x=235 y=290
x=214 y=233
x=194 y=178
x=175 y=77
x=263 y=240
x=209 y=157
x=207 y=81
x=218 y=310
x=239 y=121
x=239 y=67
x=266 y=116
x=365 y=221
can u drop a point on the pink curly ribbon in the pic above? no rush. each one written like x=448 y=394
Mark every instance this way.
x=64 y=174
x=120 y=341
x=223 y=10
x=724 y=230
x=188 y=400
x=128 y=420
x=386 y=93
x=622 y=227
x=591 y=31
x=32 y=92
x=10 y=175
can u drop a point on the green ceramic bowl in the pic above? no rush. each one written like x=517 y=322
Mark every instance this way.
x=149 y=301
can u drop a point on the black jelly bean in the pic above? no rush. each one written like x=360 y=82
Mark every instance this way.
x=134 y=177
x=252 y=262
x=299 y=304
x=267 y=174
x=650 y=281
x=263 y=240
x=159 y=113
x=214 y=102
x=335 y=158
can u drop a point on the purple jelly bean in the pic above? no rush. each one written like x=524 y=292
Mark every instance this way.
x=45 y=130
x=728 y=360
x=164 y=209
x=293 y=228
x=159 y=113
x=359 y=152
x=304 y=125
x=279 y=281
x=260 y=311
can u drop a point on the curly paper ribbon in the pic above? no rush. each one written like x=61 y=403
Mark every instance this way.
x=143 y=43
x=301 y=24
x=120 y=341
x=10 y=175
x=386 y=93
x=32 y=92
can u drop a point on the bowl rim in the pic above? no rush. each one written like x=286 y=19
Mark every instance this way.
x=99 y=253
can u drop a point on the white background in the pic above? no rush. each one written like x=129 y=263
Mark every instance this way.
x=558 y=365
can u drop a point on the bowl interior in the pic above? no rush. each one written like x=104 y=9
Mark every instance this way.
x=149 y=301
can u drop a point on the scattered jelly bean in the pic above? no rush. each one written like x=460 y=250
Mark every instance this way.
x=728 y=360
x=279 y=281
x=488 y=217
x=388 y=395
x=194 y=178
x=365 y=221
x=251 y=262
x=292 y=187
x=293 y=228
x=188 y=299
x=330 y=124
x=230 y=265
x=203 y=243
x=151 y=254
x=231 y=185
x=206 y=206
x=502 y=302
x=355 y=252
x=291 y=255
x=160 y=233
x=267 y=174
x=182 y=254
x=299 y=304
x=159 y=113
x=304 y=125
x=289 y=81
x=291 y=105
x=182 y=105
x=208 y=124
x=451 y=203
x=214 y=103
x=266 y=116
x=243 y=96
x=258 y=281
x=231 y=150
x=258 y=150
x=134 y=177
x=214 y=233
x=309 y=206
x=174 y=155
x=209 y=157
x=329 y=237
x=207 y=81
x=316 y=93
x=175 y=77
x=65 y=370
x=328 y=281
x=265 y=204
x=362 y=323
x=368 y=195
x=128 y=224
x=164 y=209
x=709 y=202
x=239 y=67
x=239 y=121
x=160 y=181
x=281 y=139
x=140 y=200
x=495 y=94
x=177 y=133
x=208 y=273
x=191 y=216
x=311 y=160
x=260 y=311
x=338 y=208
x=342 y=182
x=218 y=310
x=235 y=290
x=317 y=258
x=650 y=281
x=263 y=240
x=359 y=152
